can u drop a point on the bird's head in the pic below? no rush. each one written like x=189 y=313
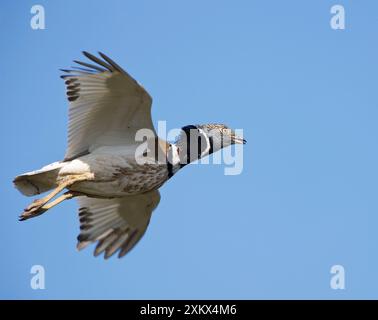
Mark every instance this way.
x=197 y=141
x=220 y=136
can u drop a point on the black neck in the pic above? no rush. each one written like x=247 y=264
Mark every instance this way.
x=190 y=157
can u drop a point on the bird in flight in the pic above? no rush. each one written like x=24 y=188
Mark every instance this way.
x=115 y=178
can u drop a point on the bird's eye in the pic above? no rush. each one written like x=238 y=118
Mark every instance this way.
x=226 y=131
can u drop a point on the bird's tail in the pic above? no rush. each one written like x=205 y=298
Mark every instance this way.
x=39 y=181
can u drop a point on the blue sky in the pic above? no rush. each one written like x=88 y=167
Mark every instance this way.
x=306 y=97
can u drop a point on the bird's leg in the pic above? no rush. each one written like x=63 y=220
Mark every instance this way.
x=65 y=196
x=40 y=202
x=36 y=205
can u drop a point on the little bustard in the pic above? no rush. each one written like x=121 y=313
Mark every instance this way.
x=114 y=178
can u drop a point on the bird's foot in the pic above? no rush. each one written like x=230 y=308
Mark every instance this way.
x=35 y=205
x=41 y=206
x=31 y=212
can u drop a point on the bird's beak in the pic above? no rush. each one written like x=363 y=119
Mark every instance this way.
x=238 y=140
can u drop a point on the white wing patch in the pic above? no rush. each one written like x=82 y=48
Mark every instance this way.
x=117 y=224
x=107 y=106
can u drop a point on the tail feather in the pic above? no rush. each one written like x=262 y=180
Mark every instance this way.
x=39 y=181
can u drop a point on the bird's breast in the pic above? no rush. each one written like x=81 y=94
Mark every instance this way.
x=126 y=180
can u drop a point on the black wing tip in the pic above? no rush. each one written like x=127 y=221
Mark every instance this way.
x=104 y=63
x=90 y=56
x=86 y=53
x=103 y=55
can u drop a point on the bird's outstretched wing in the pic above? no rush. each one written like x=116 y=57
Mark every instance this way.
x=117 y=224
x=107 y=106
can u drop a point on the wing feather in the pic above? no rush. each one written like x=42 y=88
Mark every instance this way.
x=116 y=224
x=107 y=106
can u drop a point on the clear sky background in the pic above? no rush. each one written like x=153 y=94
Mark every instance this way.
x=306 y=96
